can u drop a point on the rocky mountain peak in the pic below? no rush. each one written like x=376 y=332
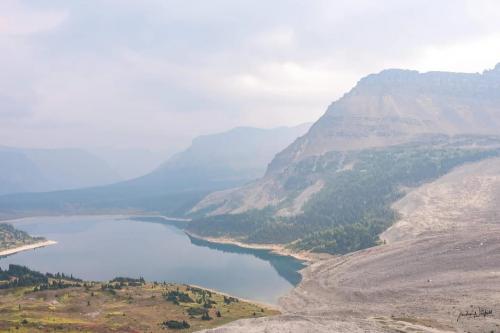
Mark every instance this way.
x=397 y=105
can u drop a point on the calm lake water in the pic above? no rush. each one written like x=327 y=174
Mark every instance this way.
x=104 y=247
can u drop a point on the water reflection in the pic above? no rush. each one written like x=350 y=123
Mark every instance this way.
x=286 y=266
x=103 y=247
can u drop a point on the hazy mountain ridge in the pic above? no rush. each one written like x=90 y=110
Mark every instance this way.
x=130 y=163
x=213 y=162
x=238 y=155
x=38 y=170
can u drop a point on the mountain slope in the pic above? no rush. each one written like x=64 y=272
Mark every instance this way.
x=467 y=196
x=398 y=106
x=441 y=260
x=331 y=190
x=38 y=170
x=222 y=160
x=389 y=108
x=213 y=162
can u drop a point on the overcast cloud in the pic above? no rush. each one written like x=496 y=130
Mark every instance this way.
x=156 y=73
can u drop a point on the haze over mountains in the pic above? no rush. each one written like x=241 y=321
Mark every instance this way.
x=380 y=215
x=401 y=173
x=39 y=170
x=213 y=162
x=239 y=155
x=130 y=163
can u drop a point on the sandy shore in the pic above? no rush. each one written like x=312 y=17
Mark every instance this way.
x=308 y=257
x=27 y=247
x=269 y=306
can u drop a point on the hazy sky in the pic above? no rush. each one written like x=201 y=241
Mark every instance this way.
x=156 y=73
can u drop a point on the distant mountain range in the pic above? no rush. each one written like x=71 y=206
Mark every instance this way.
x=331 y=189
x=218 y=160
x=212 y=162
x=39 y=170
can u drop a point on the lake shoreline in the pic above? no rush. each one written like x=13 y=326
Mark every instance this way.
x=113 y=234
x=271 y=306
x=307 y=257
x=26 y=247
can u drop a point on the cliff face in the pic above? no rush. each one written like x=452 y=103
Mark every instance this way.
x=384 y=109
x=397 y=106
